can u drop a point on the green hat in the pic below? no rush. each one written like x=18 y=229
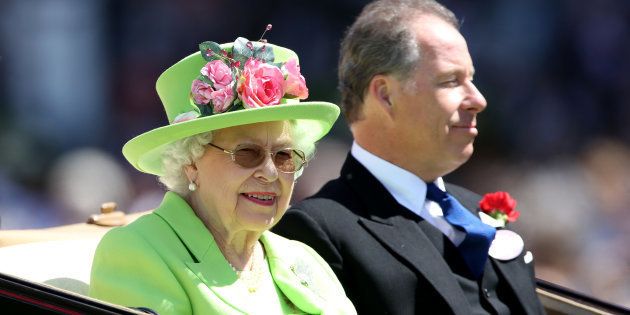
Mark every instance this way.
x=229 y=85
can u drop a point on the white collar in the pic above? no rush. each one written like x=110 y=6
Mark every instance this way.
x=408 y=189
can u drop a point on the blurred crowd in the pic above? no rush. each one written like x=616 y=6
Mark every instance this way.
x=77 y=78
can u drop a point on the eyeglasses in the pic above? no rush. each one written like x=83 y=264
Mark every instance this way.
x=251 y=155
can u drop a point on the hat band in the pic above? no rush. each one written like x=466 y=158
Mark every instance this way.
x=193 y=114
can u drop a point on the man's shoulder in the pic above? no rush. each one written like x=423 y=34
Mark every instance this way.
x=334 y=198
x=334 y=209
x=316 y=204
x=326 y=213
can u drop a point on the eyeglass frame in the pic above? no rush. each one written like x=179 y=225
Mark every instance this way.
x=299 y=153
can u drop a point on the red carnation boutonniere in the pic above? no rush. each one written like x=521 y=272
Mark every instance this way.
x=500 y=206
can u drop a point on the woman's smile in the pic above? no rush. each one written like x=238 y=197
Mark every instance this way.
x=260 y=198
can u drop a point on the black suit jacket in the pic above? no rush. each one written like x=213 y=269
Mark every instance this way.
x=385 y=262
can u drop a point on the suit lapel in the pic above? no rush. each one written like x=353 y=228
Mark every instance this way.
x=404 y=238
x=397 y=229
x=517 y=276
x=515 y=271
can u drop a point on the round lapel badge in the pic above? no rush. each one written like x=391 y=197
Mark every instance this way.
x=506 y=245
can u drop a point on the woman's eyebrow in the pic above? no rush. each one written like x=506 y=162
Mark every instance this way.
x=283 y=141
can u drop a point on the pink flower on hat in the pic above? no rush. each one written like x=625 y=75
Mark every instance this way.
x=219 y=73
x=295 y=84
x=185 y=116
x=201 y=92
x=222 y=99
x=261 y=84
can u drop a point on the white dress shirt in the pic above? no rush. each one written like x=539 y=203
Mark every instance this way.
x=409 y=190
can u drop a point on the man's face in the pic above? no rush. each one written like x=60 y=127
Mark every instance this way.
x=435 y=109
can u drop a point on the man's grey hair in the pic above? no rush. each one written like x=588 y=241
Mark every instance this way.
x=380 y=42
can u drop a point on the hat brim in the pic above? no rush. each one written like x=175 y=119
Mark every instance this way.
x=314 y=119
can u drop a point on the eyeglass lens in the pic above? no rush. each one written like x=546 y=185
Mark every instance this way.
x=286 y=160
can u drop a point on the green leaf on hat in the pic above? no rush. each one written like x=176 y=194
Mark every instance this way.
x=240 y=50
x=237 y=105
x=212 y=46
x=264 y=53
x=205 y=109
x=205 y=79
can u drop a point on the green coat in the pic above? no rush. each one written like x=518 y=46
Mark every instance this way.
x=168 y=261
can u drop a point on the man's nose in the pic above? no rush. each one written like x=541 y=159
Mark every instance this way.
x=475 y=101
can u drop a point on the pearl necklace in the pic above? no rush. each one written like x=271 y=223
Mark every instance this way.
x=250 y=277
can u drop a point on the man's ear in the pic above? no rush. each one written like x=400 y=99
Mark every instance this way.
x=380 y=90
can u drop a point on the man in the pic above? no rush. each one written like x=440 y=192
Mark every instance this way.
x=407 y=92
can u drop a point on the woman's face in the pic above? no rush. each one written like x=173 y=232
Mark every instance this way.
x=231 y=198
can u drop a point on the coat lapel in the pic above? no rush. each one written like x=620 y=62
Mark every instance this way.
x=290 y=276
x=517 y=276
x=404 y=238
x=308 y=283
x=208 y=263
x=397 y=229
x=514 y=271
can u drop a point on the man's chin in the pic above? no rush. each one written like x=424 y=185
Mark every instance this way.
x=462 y=156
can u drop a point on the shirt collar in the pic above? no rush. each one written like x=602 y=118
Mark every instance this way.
x=408 y=189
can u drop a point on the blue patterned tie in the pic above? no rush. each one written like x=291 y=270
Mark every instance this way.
x=474 y=248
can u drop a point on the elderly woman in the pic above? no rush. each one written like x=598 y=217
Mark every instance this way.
x=238 y=138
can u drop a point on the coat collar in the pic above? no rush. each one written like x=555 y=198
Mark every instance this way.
x=183 y=220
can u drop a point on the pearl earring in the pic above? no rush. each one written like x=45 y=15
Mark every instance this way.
x=192 y=186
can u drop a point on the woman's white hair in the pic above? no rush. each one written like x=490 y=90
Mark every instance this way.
x=179 y=154
x=188 y=150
